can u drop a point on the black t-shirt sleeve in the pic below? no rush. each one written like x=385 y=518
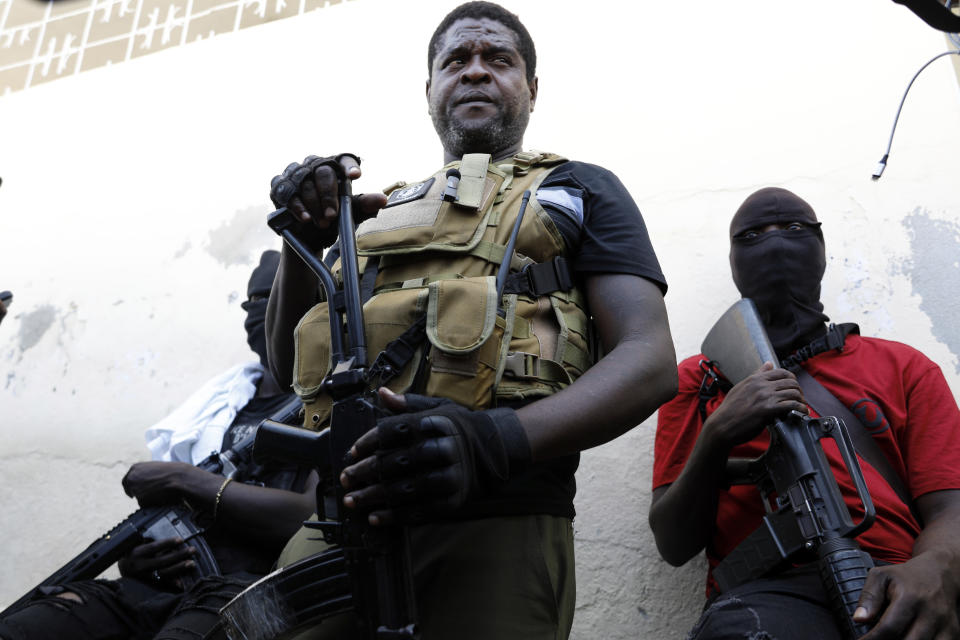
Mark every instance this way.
x=604 y=230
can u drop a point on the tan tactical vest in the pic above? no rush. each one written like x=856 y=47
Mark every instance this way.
x=440 y=258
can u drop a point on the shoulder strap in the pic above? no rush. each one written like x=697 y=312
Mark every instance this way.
x=827 y=404
x=834 y=338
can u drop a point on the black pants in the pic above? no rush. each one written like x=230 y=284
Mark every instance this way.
x=124 y=609
x=791 y=605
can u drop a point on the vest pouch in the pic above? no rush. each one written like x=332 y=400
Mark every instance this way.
x=385 y=317
x=465 y=335
x=533 y=366
x=311 y=363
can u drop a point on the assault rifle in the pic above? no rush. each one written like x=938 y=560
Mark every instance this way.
x=806 y=516
x=159 y=523
x=367 y=570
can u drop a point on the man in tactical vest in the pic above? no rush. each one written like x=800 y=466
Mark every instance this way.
x=489 y=475
x=895 y=396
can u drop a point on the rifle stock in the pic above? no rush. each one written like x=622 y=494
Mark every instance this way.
x=806 y=514
x=738 y=342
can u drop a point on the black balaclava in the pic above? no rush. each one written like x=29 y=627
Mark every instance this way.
x=258 y=290
x=780 y=270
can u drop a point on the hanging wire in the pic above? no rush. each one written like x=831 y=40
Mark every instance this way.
x=883 y=161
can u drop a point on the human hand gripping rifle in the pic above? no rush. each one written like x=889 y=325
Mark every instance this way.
x=368 y=568
x=806 y=515
x=177 y=520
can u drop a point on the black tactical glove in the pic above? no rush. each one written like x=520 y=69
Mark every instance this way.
x=433 y=459
x=293 y=189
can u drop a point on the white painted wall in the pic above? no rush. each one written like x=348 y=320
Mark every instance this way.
x=133 y=200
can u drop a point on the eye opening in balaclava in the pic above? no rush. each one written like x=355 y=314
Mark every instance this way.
x=258 y=290
x=781 y=269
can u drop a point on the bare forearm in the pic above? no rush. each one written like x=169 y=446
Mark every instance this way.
x=265 y=513
x=294 y=293
x=253 y=511
x=683 y=514
x=613 y=396
x=941 y=513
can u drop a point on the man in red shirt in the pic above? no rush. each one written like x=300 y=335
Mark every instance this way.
x=777 y=259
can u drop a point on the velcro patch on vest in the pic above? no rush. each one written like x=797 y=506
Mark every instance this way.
x=409 y=194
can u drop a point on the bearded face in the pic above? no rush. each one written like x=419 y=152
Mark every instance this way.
x=479 y=96
x=501 y=129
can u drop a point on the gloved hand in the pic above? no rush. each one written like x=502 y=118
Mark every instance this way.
x=432 y=459
x=309 y=189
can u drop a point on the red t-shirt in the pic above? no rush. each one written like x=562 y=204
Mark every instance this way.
x=898 y=394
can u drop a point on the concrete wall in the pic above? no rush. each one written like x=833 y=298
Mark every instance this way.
x=134 y=195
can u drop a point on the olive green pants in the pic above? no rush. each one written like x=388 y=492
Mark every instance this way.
x=494 y=578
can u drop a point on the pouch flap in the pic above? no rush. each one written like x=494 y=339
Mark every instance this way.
x=473 y=175
x=311 y=352
x=461 y=314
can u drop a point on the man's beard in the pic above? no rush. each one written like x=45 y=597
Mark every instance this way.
x=500 y=131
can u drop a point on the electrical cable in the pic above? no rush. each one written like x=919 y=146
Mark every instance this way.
x=883 y=161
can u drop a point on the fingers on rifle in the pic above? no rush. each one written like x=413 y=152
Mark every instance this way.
x=397 y=431
x=171 y=571
x=429 y=454
x=872 y=596
x=350 y=164
x=404 y=452
x=365 y=445
x=325 y=183
x=405 y=462
x=434 y=489
x=155 y=547
x=416 y=402
x=176 y=561
x=362 y=474
x=365 y=499
x=308 y=198
x=383 y=518
x=392 y=401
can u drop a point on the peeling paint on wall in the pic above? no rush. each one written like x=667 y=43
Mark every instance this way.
x=35 y=324
x=239 y=240
x=934 y=273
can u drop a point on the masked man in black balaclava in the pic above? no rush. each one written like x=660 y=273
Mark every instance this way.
x=246 y=521
x=898 y=397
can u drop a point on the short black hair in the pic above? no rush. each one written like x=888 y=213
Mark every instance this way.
x=478 y=10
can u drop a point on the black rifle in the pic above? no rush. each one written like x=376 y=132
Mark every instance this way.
x=368 y=569
x=806 y=515
x=159 y=523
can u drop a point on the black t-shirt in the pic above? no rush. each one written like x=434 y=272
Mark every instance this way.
x=250 y=416
x=604 y=233
x=600 y=223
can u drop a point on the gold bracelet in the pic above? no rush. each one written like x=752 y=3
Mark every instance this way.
x=216 y=501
